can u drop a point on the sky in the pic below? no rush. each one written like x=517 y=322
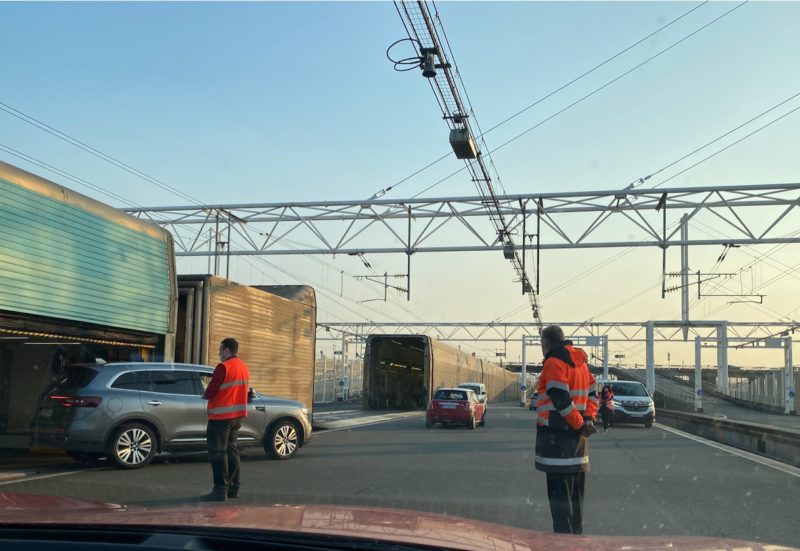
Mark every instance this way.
x=274 y=102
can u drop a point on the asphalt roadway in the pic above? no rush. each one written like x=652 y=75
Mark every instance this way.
x=642 y=481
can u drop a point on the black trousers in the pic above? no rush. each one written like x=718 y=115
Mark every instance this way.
x=222 y=436
x=606 y=414
x=565 y=493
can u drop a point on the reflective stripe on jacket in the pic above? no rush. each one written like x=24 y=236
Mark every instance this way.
x=231 y=399
x=567 y=398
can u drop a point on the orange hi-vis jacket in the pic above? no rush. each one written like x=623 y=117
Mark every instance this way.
x=566 y=399
x=607 y=395
x=230 y=399
x=576 y=382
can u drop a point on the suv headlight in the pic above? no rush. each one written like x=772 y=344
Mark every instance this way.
x=304 y=409
x=616 y=403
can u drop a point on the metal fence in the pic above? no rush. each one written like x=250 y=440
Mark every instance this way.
x=335 y=383
x=767 y=388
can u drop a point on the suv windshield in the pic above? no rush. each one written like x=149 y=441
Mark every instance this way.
x=628 y=389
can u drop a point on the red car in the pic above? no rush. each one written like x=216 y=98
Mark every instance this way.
x=455 y=405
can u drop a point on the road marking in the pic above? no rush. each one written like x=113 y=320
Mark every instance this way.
x=761 y=460
x=373 y=420
x=42 y=477
x=335 y=412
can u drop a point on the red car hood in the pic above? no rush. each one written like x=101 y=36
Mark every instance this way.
x=388 y=525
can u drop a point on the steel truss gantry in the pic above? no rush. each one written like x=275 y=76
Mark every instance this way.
x=751 y=214
x=504 y=332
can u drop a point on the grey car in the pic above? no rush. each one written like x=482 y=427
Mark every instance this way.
x=130 y=412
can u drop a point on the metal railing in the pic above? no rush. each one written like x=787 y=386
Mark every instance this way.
x=334 y=384
x=766 y=388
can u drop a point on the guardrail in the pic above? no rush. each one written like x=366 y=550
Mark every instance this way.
x=766 y=396
x=780 y=444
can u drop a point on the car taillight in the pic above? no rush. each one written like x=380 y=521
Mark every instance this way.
x=77 y=401
x=468 y=406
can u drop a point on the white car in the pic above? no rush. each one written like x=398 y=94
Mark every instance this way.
x=479 y=389
x=632 y=402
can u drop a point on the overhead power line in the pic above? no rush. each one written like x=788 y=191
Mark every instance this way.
x=29 y=119
x=67 y=175
x=721 y=284
x=756 y=131
x=593 y=92
x=546 y=96
x=93 y=151
x=593 y=69
x=80 y=181
x=640 y=181
x=428 y=31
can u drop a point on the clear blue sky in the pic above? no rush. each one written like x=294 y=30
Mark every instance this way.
x=258 y=102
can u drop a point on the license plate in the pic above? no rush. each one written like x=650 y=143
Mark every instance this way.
x=448 y=406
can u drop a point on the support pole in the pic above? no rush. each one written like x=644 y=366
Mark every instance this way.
x=664 y=257
x=605 y=357
x=408 y=258
x=324 y=377
x=523 y=372
x=722 y=357
x=789 y=391
x=698 y=375
x=210 y=239
x=538 y=241
x=216 y=247
x=685 y=276
x=343 y=364
x=771 y=388
x=651 y=364
x=228 y=253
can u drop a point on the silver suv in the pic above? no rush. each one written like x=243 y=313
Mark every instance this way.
x=129 y=412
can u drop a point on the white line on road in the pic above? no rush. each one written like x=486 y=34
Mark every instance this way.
x=373 y=420
x=42 y=477
x=761 y=460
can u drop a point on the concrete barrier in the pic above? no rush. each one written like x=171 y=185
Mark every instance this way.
x=780 y=444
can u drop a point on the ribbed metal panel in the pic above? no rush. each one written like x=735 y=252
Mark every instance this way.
x=276 y=336
x=66 y=256
x=452 y=367
x=446 y=366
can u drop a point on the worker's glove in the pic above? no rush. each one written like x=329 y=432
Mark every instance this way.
x=588 y=429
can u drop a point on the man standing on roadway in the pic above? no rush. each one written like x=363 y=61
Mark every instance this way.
x=227 y=403
x=566 y=409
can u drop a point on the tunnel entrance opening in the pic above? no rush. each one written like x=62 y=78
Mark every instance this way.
x=395 y=372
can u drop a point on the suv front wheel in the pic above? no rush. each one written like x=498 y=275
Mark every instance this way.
x=132 y=446
x=282 y=440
